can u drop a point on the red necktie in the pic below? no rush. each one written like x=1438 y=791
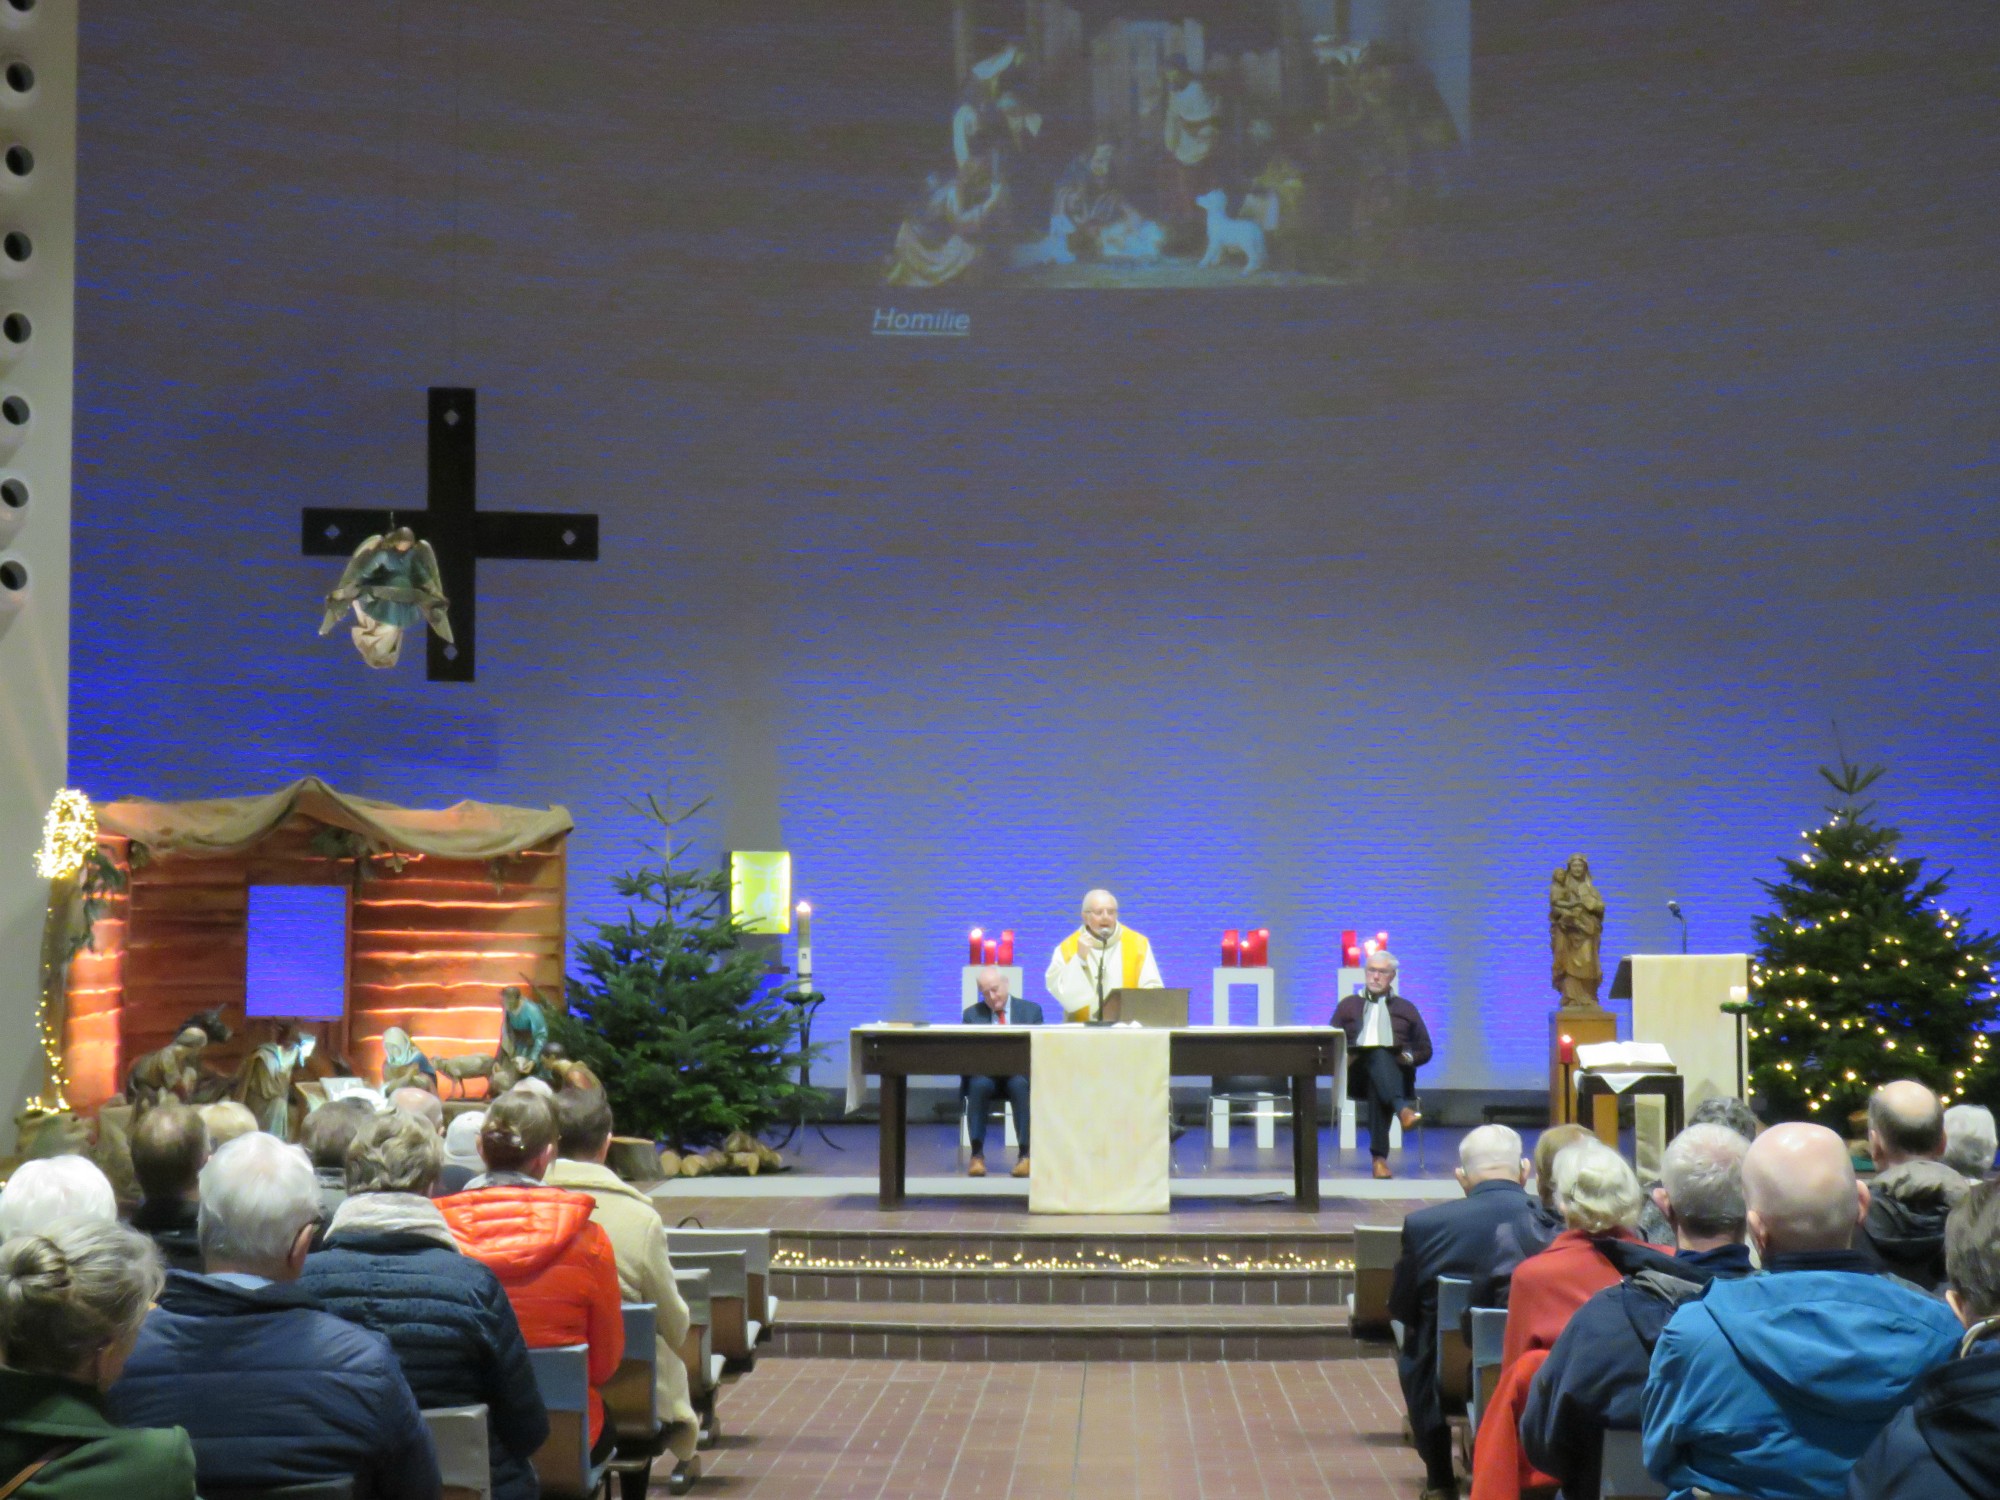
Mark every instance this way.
x=1000 y=1016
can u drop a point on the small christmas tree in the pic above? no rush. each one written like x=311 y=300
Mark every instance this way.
x=672 y=1011
x=1862 y=975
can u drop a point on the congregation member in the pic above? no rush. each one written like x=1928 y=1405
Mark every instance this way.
x=326 y=1135
x=1450 y=1239
x=423 y=1103
x=996 y=1007
x=1594 y=1376
x=1945 y=1445
x=272 y=1389
x=1388 y=1042
x=1774 y=1385
x=72 y=1299
x=226 y=1120
x=557 y=1265
x=1514 y=1242
x=1722 y=1110
x=1970 y=1141
x=1598 y=1196
x=1102 y=955
x=169 y=1149
x=461 y=1153
x=390 y=1263
x=49 y=1188
x=638 y=1243
x=1912 y=1190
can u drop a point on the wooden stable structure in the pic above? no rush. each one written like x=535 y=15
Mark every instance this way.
x=432 y=937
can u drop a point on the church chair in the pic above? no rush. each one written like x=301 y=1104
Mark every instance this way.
x=1489 y=1335
x=1624 y=1470
x=319 y=1489
x=704 y=1365
x=458 y=1436
x=562 y=1464
x=756 y=1247
x=1264 y=1100
x=730 y=1326
x=631 y=1397
x=1377 y=1247
x=1454 y=1351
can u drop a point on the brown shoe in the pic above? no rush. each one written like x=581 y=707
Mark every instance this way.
x=1021 y=1167
x=1381 y=1168
x=978 y=1167
x=1408 y=1116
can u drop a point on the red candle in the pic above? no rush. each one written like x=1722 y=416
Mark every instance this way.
x=1006 y=945
x=1566 y=1051
x=1229 y=948
x=1350 y=949
x=1257 y=948
x=992 y=951
x=978 y=948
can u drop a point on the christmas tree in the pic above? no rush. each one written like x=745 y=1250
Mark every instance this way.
x=672 y=1011
x=1863 y=975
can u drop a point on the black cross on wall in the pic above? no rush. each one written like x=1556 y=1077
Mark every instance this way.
x=457 y=529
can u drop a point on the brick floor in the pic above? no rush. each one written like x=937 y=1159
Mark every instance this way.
x=826 y=1429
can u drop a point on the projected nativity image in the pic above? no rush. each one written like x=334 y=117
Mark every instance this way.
x=1227 y=144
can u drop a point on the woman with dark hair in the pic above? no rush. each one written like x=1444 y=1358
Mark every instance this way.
x=557 y=1266
x=391 y=1264
x=71 y=1301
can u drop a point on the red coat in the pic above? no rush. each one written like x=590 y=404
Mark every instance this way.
x=1500 y=1470
x=556 y=1265
x=1553 y=1284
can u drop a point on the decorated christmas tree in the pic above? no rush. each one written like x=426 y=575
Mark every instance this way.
x=672 y=1012
x=1864 y=975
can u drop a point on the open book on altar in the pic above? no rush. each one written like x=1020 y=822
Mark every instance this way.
x=1625 y=1057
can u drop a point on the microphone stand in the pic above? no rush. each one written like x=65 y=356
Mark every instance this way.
x=805 y=1002
x=1675 y=908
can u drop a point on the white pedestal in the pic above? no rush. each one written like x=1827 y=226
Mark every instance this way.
x=968 y=984
x=1222 y=983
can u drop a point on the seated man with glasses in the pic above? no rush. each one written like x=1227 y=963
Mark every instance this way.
x=1387 y=1042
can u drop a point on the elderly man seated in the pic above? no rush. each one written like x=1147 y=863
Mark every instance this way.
x=328 y=1132
x=169 y=1149
x=1596 y=1372
x=272 y=1390
x=1970 y=1141
x=1774 y=1385
x=1452 y=1239
x=1945 y=1445
x=49 y=1188
x=995 y=1007
x=1912 y=1190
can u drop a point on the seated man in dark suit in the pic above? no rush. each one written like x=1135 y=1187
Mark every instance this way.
x=1596 y=1373
x=1451 y=1239
x=995 y=1008
x=1387 y=1041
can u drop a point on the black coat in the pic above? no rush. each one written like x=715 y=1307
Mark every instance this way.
x=1596 y=1373
x=1446 y=1239
x=1019 y=1013
x=1907 y=1208
x=1406 y=1027
x=454 y=1333
x=1945 y=1445
x=172 y=1226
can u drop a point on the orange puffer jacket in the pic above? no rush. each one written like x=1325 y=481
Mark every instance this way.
x=556 y=1265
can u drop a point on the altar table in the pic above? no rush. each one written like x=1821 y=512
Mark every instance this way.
x=1304 y=1054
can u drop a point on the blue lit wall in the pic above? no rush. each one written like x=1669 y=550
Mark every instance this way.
x=1337 y=607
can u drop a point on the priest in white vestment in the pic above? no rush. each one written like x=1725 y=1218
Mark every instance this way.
x=1100 y=956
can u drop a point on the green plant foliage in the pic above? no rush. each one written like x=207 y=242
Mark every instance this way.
x=1862 y=975
x=670 y=1012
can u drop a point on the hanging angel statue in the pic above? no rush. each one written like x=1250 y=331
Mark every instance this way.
x=392 y=583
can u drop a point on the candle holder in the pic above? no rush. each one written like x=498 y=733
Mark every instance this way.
x=806 y=1001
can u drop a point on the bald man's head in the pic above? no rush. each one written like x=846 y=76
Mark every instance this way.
x=1800 y=1191
x=1905 y=1123
x=992 y=984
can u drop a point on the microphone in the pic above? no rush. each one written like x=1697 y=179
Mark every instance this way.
x=1675 y=907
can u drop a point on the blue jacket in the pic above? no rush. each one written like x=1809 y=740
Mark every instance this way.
x=1945 y=1445
x=454 y=1333
x=1594 y=1375
x=273 y=1391
x=1774 y=1385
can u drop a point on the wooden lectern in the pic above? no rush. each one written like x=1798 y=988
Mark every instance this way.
x=1582 y=1027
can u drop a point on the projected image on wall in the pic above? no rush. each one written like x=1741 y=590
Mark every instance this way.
x=1215 y=143
x=297 y=959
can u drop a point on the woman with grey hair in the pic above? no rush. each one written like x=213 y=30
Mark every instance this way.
x=1598 y=1195
x=54 y=1187
x=390 y=1263
x=1970 y=1140
x=72 y=1299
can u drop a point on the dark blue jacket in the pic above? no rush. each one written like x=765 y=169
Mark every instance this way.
x=1596 y=1373
x=1775 y=1385
x=453 y=1330
x=274 y=1391
x=1945 y=1445
x=1446 y=1239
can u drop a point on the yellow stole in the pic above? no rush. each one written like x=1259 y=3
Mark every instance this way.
x=1132 y=958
